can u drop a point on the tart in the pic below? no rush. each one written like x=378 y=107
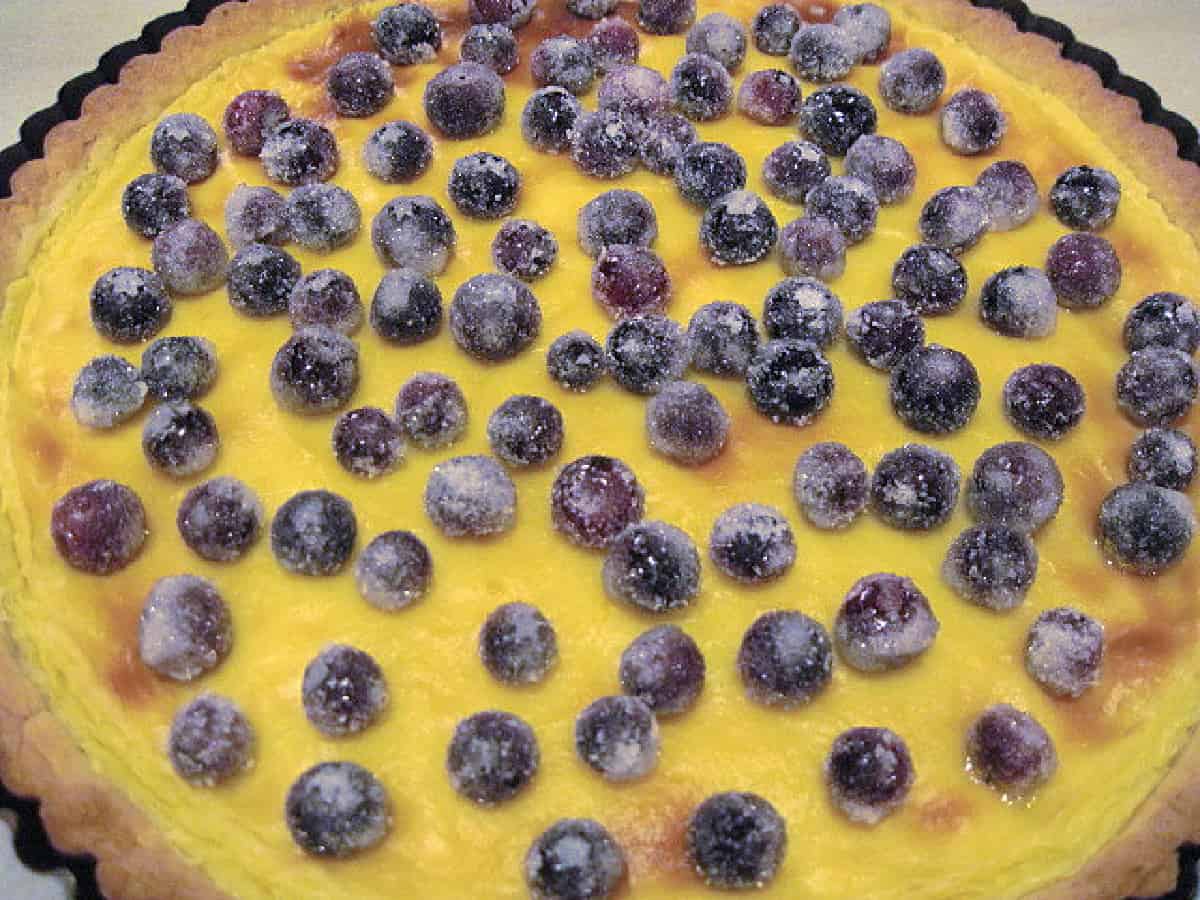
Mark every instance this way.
x=352 y=702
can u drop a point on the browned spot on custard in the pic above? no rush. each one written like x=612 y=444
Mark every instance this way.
x=349 y=36
x=655 y=845
x=128 y=677
x=944 y=813
x=46 y=449
x=821 y=11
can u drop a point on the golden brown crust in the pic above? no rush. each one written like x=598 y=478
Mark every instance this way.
x=37 y=754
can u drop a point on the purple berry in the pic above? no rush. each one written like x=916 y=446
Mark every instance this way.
x=1044 y=401
x=250 y=117
x=884 y=622
x=991 y=565
x=1009 y=751
x=708 y=171
x=770 y=97
x=220 y=520
x=752 y=543
x=323 y=217
x=885 y=331
x=666 y=16
x=484 y=186
x=256 y=215
x=576 y=361
x=605 y=145
x=915 y=488
x=565 y=62
x=337 y=809
x=492 y=757
x=738 y=229
x=630 y=280
x=848 y=203
x=494 y=317
x=636 y=92
x=1163 y=320
x=525 y=431
x=184 y=145
x=151 y=203
x=1146 y=528
x=513 y=13
x=179 y=368
x=663 y=140
x=300 y=151
x=973 y=122
x=912 y=81
x=394 y=570
x=814 y=247
x=98 y=527
x=343 y=690
x=1019 y=302
x=830 y=484
x=615 y=43
x=618 y=738
x=835 y=117
x=471 y=496
x=414 y=233
x=431 y=410
x=261 y=279
x=774 y=27
x=869 y=28
x=686 y=423
x=550 y=119
x=616 y=217
x=313 y=533
x=367 y=442
x=664 y=669
x=935 y=390
x=822 y=53
x=184 y=629
x=1084 y=270
x=107 y=391
x=722 y=37
x=790 y=381
x=736 y=841
x=517 y=644
x=326 y=297
x=493 y=46
x=652 y=566
x=524 y=249
x=802 y=309
x=869 y=773
x=406 y=308
x=785 y=659
x=954 y=218
x=1015 y=484
x=397 y=152
x=1064 y=651
x=210 y=741
x=592 y=9
x=180 y=439
x=407 y=34
x=360 y=85
x=594 y=498
x=1085 y=198
x=702 y=87
x=574 y=859
x=723 y=337
x=1157 y=386
x=1010 y=194
x=464 y=100
x=315 y=371
x=885 y=164
x=1163 y=456
x=929 y=280
x=645 y=353
x=190 y=258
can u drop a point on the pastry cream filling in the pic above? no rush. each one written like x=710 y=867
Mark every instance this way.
x=952 y=839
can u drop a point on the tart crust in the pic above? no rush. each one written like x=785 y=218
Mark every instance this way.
x=38 y=756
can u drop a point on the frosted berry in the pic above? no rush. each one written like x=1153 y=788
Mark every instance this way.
x=494 y=46
x=323 y=217
x=250 y=117
x=738 y=229
x=574 y=859
x=616 y=217
x=770 y=97
x=407 y=34
x=752 y=543
x=884 y=622
x=1163 y=320
x=494 y=317
x=180 y=439
x=1157 y=386
x=471 y=496
x=565 y=62
x=785 y=659
x=550 y=118
x=592 y=9
x=790 y=381
x=1008 y=750
x=396 y=152
x=179 y=368
x=517 y=644
x=869 y=27
x=220 y=520
x=935 y=390
x=1064 y=651
x=394 y=570
x=830 y=484
x=848 y=203
x=360 y=85
x=636 y=92
x=343 y=690
x=1163 y=456
x=884 y=332
x=367 y=442
x=524 y=249
x=513 y=13
x=666 y=16
x=210 y=741
x=414 y=233
x=327 y=298
x=973 y=122
x=615 y=43
x=645 y=353
x=773 y=28
x=702 y=87
x=736 y=841
x=885 y=164
x=722 y=37
x=869 y=773
x=1146 y=528
x=802 y=309
x=1015 y=484
x=604 y=144
x=313 y=533
x=652 y=566
x=492 y=757
x=708 y=171
x=822 y=53
x=150 y=203
x=929 y=280
x=912 y=81
x=723 y=337
x=336 y=809
x=300 y=151
x=630 y=280
x=525 y=431
x=595 y=498
x=464 y=100
x=1019 y=302
x=835 y=117
x=261 y=279
x=991 y=565
x=98 y=527
x=184 y=629
x=686 y=423
x=1084 y=270
x=484 y=186
x=1044 y=401
x=663 y=140
x=107 y=391
x=814 y=247
x=1085 y=198
x=915 y=488
x=432 y=410
x=663 y=668
x=190 y=258
x=954 y=218
x=406 y=307
x=256 y=215
x=618 y=738
x=184 y=145
x=576 y=361
x=1010 y=193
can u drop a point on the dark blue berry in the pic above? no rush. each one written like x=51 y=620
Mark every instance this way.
x=464 y=100
x=328 y=298
x=869 y=28
x=394 y=570
x=991 y=565
x=517 y=644
x=256 y=215
x=935 y=390
x=1009 y=751
x=752 y=543
x=431 y=410
x=723 y=337
x=565 y=62
x=869 y=773
x=190 y=258
x=360 y=85
x=738 y=229
x=912 y=80
x=367 y=442
x=666 y=16
x=1044 y=401
x=884 y=622
x=414 y=233
x=722 y=37
x=494 y=46
x=184 y=145
x=1085 y=198
x=184 y=629
x=313 y=533
x=180 y=439
x=98 y=527
x=576 y=361
x=708 y=171
x=524 y=249
x=814 y=247
x=835 y=117
x=686 y=423
x=179 y=368
x=343 y=690
x=1019 y=302
x=1163 y=320
x=220 y=520
x=315 y=371
x=1146 y=528
x=663 y=140
x=407 y=34
x=848 y=203
x=525 y=431
x=605 y=144
x=397 y=152
x=636 y=92
x=210 y=741
x=884 y=332
x=595 y=498
x=336 y=809
x=1010 y=194
x=885 y=164
x=1157 y=386
x=513 y=13
x=592 y=9
x=550 y=118
x=261 y=279
x=790 y=381
x=323 y=217
x=1163 y=456
x=107 y=391
x=915 y=488
x=484 y=186
x=1084 y=270
x=702 y=87
x=803 y=309
x=616 y=217
x=770 y=97
x=773 y=28
x=954 y=218
x=152 y=202
x=973 y=122
x=1064 y=651
x=574 y=859
x=494 y=317
x=250 y=117
x=645 y=353
x=618 y=737
x=830 y=484
x=471 y=496
x=664 y=669
x=300 y=151
x=1015 y=484
x=736 y=841
x=492 y=757
x=929 y=280
x=615 y=43
x=822 y=53
x=406 y=307
x=785 y=659
x=652 y=566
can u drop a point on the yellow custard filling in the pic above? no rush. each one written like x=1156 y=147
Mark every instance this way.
x=953 y=837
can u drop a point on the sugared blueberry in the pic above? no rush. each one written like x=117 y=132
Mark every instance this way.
x=615 y=43
x=396 y=152
x=1010 y=193
x=869 y=27
x=1084 y=269
x=323 y=217
x=1064 y=651
x=574 y=859
x=835 y=117
x=1163 y=320
x=686 y=423
x=991 y=565
x=770 y=97
x=973 y=122
x=360 y=84
x=184 y=145
x=484 y=186
x=313 y=533
x=1044 y=401
x=190 y=258
x=790 y=381
x=592 y=9
x=652 y=566
x=327 y=298
x=630 y=280
x=494 y=317
x=343 y=690
x=1146 y=528
x=256 y=215
x=830 y=483
x=513 y=13
x=563 y=61
x=525 y=431
x=179 y=368
x=663 y=668
x=550 y=118
x=210 y=741
x=885 y=164
x=803 y=309
x=666 y=16
x=250 y=117
x=723 y=336
x=336 y=809
x=151 y=203
x=738 y=229
x=954 y=218
x=929 y=280
x=645 y=353
x=935 y=390
x=517 y=644
x=1008 y=750
x=367 y=442
x=884 y=622
x=406 y=307
x=736 y=841
x=464 y=100
x=407 y=34
x=915 y=487
x=107 y=391
x=663 y=140
x=708 y=171
x=1163 y=456
x=180 y=439
x=492 y=757
x=912 y=81
x=869 y=773
x=848 y=203
x=432 y=410
x=752 y=543
x=220 y=520
x=773 y=28
x=618 y=737
x=471 y=496
x=616 y=217
x=414 y=233
x=575 y=361
x=883 y=332
x=595 y=498
x=605 y=144
x=1019 y=302
x=261 y=279
x=394 y=570
x=720 y=36
x=702 y=87
x=1085 y=198
x=1015 y=484
x=184 y=629
x=822 y=53
x=494 y=46
x=300 y=151
x=99 y=527
x=524 y=249
x=785 y=659
x=812 y=246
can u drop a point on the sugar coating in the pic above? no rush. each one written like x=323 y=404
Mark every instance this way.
x=645 y=353
x=883 y=332
x=869 y=773
x=722 y=37
x=884 y=622
x=664 y=668
x=708 y=171
x=631 y=280
x=407 y=34
x=256 y=215
x=464 y=100
x=1017 y=484
x=812 y=246
x=575 y=360
x=471 y=496
x=770 y=97
x=492 y=757
x=151 y=202
x=1084 y=269
x=973 y=122
x=616 y=217
x=604 y=144
x=367 y=442
x=594 y=499
x=494 y=46
x=1085 y=198
x=869 y=27
x=513 y=13
x=991 y=565
x=184 y=145
x=484 y=186
x=885 y=164
x=184 y=629
x=736 y=841
x=98 y=527
x=494 y=317
x=524 y=249
x=180 y=439
x=954 y=218
x=752 y=543
x=847 y=202
x=1163 y=456
x=300 y=151
x=723 y=336
x=574 y=858
x=774 y=27
x=414 y=233
x=1009 y=751
x=179 y=368
x=1044 y=401
x=802 y=308
x=220 y=519
x=929 y=280
x=210 y=741
x=789 y=381
x=313 y=533
x=360 y=84
x=261 y=279
x=666 y=16
x=1019 y=302
x=836 y=116
x=1064 y=651
x=830 y=484
x=525 y=431
x=702 y=87
x=343 y=690
x=614 y=43
x=1146 y=528
x=738 y=229
x=592 y=9
x=250 y=117
x=785 y=659
x=662 y=142
x=323 y=217
x=406 y=307
x=912 y=81
x=432 y=410
x=328 y=298
x=315 y=371
x=517 y=644
x=1164 y=319
x=915 y=487
x=107 y=391
x=397 y=152
x=935 y=389
x=638 y=92
x=550 y=118
x=336 y=809
x=652 y=566
x=1010 y=193
x=1157 y=386
x=190 y=257
x=618 y=737
x=394 y=570
x=687 y=423
x=563 y=61
x=823 y=53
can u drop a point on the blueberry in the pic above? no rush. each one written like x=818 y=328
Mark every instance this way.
x=869 y=27
x=493 y=46
x=592 y=9
x=1019 y=302
x=652 y=566
x=524 y=249
x=464 y=100
x=954 y=218
x=1084 y=270
x=313 y=533
x=394 y=570
x=492 y=757
x=702 y=87
x=1163 y=320
x=630 y=280
x=752 y=543
x=835 y=117
x=616 y=217
x=605 y=145
x=869 y=773
x=935 y=390
x=565 y=62
x=484 y=186
x=406 y=307
x=785 y=659
x=129 y=305
x=576 y=361
x=929 y=280
x=884 y=622
x=471 y=496
x=912 y=80
x=367 y=442
x=708 y=171
x=494 y=317
x=550 y=118
x=722 y=37
x=323 y=217
x=1008 y=750
x=180 y=439
x=663 y=140
x=1015 y=484
x=343 y=690
x=326 y=298
x=513 y=13
x=790 y=381
x=1010 y=194
x=814 y=247
x=736 y=841
x=179 y=368
x=107 y=391
x=152 y=202
x=973 y=122
x=336 y=809
x=574 y=859
x=618 y=738
x=210 y=741
x=525 y=431
x=184 y=629
x=802 y=309
x=1163 y=456
x=915 y=488
x=666 y=16
x=250 y=117
x=645 y=353
x=594 y=499
x=256 y=215
x=738 y=229
x=1146 y=528
x=822 y=53
x=184 y=145
x=1085 y=198
x=773 y=28
x=517 y=644
x=98 y=527
x=770 y=97
x=848 y=203
x=664 y=669
x=220 y=520
x=830 y=484
x=636 y=92
x=360 y=85
x=991 y=565
x=190 y=258
x=396 y=152
x=1064 y=651
x=431 y=410
x=686 y=423
x=723 y=337
x=1044 y=401
x=261 y=279
x=615 y=43
x=885 y=164
x=300 y=151
x=414 y=233
x=884 y=332
x=407 y=34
